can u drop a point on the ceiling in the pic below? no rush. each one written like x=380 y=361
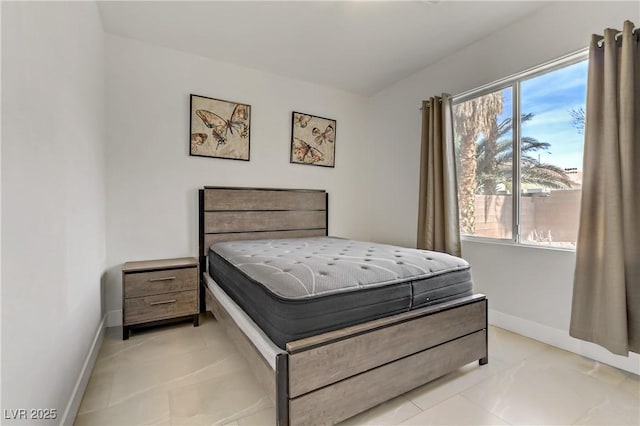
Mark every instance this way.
x=357 y=46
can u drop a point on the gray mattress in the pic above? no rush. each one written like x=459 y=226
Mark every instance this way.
x=295 y=288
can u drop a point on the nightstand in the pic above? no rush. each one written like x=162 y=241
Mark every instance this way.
x=158 y=290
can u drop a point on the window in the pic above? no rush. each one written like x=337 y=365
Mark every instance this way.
x=523 y=135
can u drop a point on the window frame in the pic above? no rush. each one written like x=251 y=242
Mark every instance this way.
x=514 y=81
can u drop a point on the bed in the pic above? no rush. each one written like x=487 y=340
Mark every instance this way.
x=406 y=332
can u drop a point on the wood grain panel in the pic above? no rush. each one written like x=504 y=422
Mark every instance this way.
x=146 y=265
x=210 y=239
x=344 y=399
x=217 y=222
x=260 y=199
x=347 y=332
x=209 y=301
x=157 y=282
x=323 y=365
x=261 y=370
x=162 y=306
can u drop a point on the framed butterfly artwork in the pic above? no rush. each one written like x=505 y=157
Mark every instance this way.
x=313 y=140
x=219 y=129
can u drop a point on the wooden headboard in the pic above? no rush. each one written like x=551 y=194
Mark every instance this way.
x=228 y=214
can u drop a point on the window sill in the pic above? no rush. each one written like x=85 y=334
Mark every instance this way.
x=510 y=243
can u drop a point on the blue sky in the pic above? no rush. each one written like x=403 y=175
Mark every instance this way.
x=550 y=97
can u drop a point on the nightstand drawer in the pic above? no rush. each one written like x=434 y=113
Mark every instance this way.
x=161 y=306
x=157 y=282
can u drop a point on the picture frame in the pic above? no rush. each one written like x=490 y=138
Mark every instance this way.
x=219 y=128
x=313 y=140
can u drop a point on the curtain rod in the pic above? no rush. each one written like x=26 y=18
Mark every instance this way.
x=634 y=32
x=428 y=101
x=578 y=54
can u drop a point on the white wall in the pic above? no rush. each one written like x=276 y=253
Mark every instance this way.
x=530 y=284
x=53 y=189
x=152 y=181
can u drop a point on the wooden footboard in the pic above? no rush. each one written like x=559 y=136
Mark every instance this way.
x=353 y=395
x=328 y=378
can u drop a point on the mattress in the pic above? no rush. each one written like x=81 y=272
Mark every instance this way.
x=295 y=288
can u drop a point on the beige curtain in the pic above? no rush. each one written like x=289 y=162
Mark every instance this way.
x=438 y=227
x=606 y=292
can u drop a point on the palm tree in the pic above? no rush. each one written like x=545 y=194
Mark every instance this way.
x=484 y=165
x=473 y=118
x=495 y=159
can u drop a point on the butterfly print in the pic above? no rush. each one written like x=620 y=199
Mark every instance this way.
x=322 y=137
x=220 y=127
x=305 y=153
x=198 y=139
x=301 y=119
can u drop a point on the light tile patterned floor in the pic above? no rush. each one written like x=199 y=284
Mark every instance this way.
x=181 y=375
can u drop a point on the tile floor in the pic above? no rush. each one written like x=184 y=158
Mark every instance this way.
x=181 y=375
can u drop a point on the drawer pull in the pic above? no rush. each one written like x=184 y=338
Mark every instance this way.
x=162 y=279
x=163 y=302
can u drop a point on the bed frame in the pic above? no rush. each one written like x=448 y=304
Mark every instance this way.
x=327 y=378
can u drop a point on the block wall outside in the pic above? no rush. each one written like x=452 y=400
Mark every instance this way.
x=543 y=218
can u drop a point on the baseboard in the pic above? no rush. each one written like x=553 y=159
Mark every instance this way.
x=71 y=410
x=114 y=318
x=561 y=339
